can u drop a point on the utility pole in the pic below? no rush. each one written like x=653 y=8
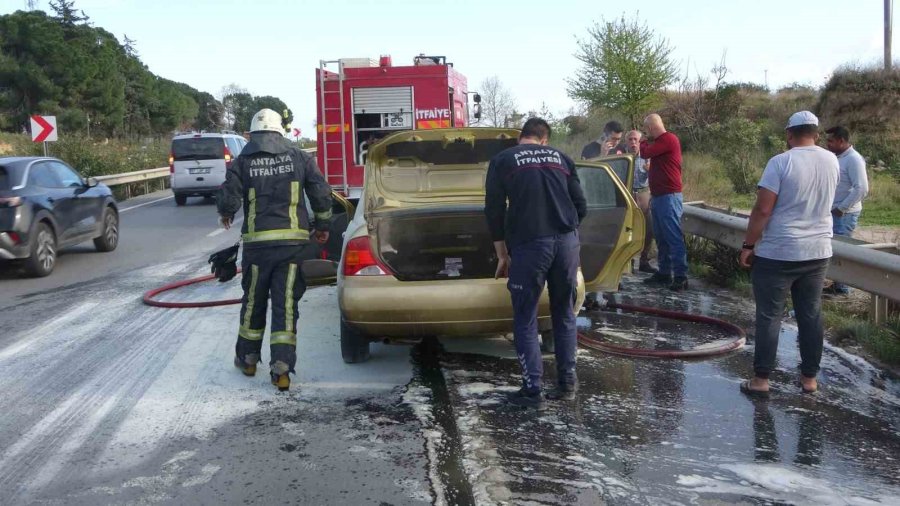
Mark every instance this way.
x=888 y=16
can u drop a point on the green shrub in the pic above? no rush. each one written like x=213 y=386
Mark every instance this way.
x=90 y=157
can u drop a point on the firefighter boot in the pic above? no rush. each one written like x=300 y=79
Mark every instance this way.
x=248 y=364
x=280 y=377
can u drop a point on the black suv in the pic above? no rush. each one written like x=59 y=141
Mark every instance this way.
x=45 y=205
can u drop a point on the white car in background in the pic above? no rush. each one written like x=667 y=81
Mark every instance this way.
x=198 y=161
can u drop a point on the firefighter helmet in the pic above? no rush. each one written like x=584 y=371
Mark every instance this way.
x=266 y=120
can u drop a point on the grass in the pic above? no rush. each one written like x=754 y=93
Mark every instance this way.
x=883 y=341
x=704 y=179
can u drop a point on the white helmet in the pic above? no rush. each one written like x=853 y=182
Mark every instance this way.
x=266 y=120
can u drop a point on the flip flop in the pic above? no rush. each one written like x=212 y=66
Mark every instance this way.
x=759 y=394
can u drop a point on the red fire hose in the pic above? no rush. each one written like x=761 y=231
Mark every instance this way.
x=734 y=344
x=588 y=342
x=148 y=297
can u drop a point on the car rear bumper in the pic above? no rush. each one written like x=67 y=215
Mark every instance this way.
x=197 y=190
x=384 y=306
x=10 y=250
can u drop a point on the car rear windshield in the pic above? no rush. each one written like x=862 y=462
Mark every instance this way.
x=439 y=153
x=198 y=148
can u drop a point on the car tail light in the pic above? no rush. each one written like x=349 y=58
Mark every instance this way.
x=10 y=201
x=14 y=237
x=171 y=163
x=228 y=157
x=360 y=261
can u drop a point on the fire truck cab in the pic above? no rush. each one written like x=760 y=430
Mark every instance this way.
x=361 y=100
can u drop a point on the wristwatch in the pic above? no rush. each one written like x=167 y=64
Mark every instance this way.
x=747 y=246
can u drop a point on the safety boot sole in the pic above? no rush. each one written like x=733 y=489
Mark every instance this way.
x=248 y=370
x=282 y=381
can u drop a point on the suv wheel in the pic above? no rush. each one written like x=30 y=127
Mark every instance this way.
x=354 y=345
x=43 y=252
x=180 y=200
x=109 y=238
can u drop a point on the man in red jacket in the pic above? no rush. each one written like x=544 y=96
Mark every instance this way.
x=666 y=203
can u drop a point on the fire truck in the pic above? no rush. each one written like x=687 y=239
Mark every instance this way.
x=362 y=100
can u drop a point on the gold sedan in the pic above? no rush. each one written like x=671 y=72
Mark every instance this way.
x=418 y=259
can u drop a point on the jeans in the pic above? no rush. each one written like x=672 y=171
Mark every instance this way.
x=554 y=261
x=665 y=212
x=844 y=225
x=772 y=280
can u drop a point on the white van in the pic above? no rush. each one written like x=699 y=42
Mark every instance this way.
x=197 y=163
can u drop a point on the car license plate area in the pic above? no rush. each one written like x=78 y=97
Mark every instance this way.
x=199 y=170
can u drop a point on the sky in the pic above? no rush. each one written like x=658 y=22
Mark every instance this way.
x=272 y=47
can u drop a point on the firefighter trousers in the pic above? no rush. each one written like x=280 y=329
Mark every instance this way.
x=271 y=272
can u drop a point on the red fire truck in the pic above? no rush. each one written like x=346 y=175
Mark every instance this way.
x=361 y=100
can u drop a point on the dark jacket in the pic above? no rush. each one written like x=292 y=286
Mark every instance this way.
x=543 y=190
x=270 y=178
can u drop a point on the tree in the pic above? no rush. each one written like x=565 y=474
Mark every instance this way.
x=624 y=68
x=67 y=14
x=497 y=102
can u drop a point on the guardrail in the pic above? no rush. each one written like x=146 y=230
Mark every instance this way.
x=145 y=176
x=874 y=268
x=133 y=177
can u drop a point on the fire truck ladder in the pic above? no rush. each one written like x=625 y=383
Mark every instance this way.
x=330 y=163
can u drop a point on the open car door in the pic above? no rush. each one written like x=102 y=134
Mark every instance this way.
x=322 y=270
x=612 y=233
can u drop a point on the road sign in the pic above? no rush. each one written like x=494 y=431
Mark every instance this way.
x=43 y=128
x=296 y=132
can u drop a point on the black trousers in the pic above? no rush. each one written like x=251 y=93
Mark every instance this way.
x=772 y=281
x=275 y=273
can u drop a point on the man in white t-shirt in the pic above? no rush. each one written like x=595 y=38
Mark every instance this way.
x=788 y=245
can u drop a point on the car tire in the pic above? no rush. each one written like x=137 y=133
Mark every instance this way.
x=180 y=200
x=354 y=345
x=109 y=237
x=42 y=259
x=548 y=342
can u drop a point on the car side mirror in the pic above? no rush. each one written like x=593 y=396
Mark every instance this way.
x=91 y=182
x=477 y=98
x=477 y=111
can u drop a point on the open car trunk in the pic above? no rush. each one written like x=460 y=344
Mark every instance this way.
x=451 y=242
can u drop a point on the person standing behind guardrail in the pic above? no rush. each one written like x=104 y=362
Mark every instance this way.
x=788 y=247
x=851 y=190
x=666 y=204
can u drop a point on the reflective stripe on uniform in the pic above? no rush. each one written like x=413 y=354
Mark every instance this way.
x=250 y=334
x=284 y=338
x=289 y=298
x=251 y=296
x=325 y=215
x=251 y=216
x=276 y=235
x=295 y=200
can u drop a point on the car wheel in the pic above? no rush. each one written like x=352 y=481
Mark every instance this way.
x=43 y=252
x=109 y=239
x=354 y=345
x=180 y=200
x=548 y=342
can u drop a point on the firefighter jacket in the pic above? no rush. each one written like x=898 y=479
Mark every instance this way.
x=270 y=178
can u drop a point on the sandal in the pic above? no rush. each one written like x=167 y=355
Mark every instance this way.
x=752 y=392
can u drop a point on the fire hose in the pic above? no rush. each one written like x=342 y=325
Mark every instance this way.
x=698 y=352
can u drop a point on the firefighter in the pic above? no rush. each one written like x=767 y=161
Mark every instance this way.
x=270 y=178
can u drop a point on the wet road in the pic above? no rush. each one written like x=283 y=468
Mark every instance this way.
x=107 y=401
x=675 y=432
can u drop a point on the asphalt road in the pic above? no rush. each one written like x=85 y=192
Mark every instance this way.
x=153 y=230
x=107 y=401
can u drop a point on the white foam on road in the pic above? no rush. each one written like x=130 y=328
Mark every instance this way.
x=774 y=482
